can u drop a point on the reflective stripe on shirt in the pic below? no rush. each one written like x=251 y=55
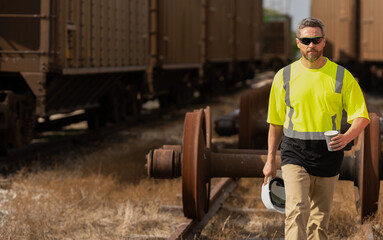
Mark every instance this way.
x=290 y=132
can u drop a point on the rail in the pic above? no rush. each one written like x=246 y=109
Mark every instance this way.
x=192 y=227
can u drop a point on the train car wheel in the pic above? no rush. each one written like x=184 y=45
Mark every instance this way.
x=195 y=166
x=369 y=171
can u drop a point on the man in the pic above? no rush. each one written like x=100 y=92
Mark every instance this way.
x=306 y=100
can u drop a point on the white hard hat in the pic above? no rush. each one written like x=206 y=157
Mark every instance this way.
x=273 y=193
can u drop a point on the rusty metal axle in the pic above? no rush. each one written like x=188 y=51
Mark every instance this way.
x=166 y=163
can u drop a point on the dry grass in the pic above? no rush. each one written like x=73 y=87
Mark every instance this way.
x=97 y=192
x=70 y=205
x=344 y=222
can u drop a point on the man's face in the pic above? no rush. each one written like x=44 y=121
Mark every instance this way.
x=311 y=52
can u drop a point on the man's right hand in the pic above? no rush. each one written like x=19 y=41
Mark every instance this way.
x=270 y=169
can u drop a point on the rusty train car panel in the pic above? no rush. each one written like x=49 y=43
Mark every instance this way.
x=234 y=29
x=179 y=33
x=220 y=15
x=371 y=36
x=339 y=18
x=257 y=29
x=100 y=35
x=243 y=29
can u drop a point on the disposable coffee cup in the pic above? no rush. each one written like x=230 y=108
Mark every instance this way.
x=328 y=135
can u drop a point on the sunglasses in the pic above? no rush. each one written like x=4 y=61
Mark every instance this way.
x=307 y=41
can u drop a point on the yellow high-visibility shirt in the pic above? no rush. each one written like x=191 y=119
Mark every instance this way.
x=309 y=102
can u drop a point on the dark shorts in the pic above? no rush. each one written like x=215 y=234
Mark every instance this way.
x=312 y=155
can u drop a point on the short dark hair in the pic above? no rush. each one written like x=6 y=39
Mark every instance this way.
x=310 y=22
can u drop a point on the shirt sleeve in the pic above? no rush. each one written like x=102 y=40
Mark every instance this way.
x=277 y=106
x=353 y=100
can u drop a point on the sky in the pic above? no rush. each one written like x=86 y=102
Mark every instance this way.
x=297 y=9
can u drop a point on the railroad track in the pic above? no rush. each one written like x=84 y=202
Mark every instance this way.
x=193 y=227
x=197 y=163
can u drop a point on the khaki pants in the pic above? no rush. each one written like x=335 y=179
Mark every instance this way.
x=308 y=203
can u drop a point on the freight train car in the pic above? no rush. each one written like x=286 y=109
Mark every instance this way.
x=202 y=46
x=59 y=56
x=354 y=37
x=109 y=56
